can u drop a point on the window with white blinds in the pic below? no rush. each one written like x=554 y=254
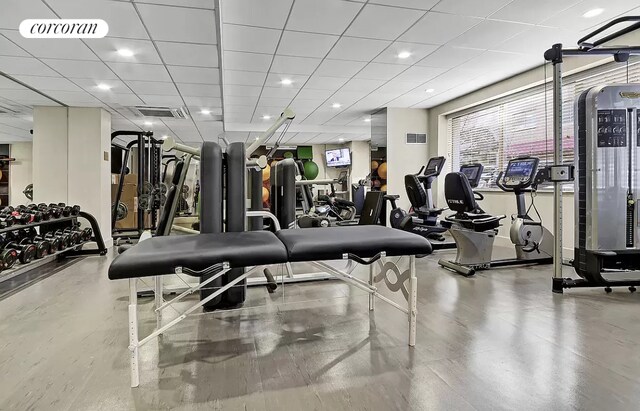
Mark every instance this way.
x=522 y=123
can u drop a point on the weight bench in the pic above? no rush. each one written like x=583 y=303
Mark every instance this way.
x=216 y=254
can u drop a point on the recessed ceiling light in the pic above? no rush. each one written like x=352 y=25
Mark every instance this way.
x=404 y=55
x=429 y=90
x=341 y=140
x=367 y=120
x=336 y=105
x=205 y=111
x=257 y=138
x=103 y=86
x=125 y=52
x=266 y=117
x=148 y=123
x=286 y=82
x=592 y=13
x=164 y=137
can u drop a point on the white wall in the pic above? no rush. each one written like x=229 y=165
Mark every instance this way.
x=21 y=172
x=360 y=160
x=50 y=154
x=402 y=158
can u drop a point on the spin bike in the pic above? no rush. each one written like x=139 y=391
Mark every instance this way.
x=474 y=230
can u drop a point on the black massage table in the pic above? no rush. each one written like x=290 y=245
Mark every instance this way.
x=214 y=255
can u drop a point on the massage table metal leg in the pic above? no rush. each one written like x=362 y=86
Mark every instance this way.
x=158 y=300
x=372 y=298
x=413 y=301
x=133 y=332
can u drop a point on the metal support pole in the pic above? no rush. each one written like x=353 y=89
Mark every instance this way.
x=133 y=332
x=557 y=159
x=372 y=298
x=413 y=301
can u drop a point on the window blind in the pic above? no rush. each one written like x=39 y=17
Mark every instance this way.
x=522 y=123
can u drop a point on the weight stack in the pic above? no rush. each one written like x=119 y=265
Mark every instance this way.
x=211 y=171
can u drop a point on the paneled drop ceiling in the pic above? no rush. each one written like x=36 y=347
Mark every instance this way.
x=332 y=61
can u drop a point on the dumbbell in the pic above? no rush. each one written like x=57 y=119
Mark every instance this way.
x=36 y=216
x=55 y=243
x=6 y=220
x=74 y=236
x=26 y=252
x=67 y=210
x=45 y=212
x=84 y=233
x=22 y=218
x=8 y=258
x=42 y=246
x=65 y=239
x=54 y=212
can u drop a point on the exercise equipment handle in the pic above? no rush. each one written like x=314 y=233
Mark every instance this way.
x=171 y=144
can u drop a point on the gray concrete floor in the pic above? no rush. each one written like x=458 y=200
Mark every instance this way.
x=500 y=340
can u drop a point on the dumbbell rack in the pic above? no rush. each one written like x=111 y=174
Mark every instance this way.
x=73 y=251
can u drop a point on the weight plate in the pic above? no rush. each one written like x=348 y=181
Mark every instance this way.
x=121 y=211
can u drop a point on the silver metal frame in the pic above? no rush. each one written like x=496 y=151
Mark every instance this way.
x=385 y=266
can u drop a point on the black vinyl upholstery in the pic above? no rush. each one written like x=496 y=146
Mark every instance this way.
x=161 y=255
x=364 y=241
x=459 y=194
x=415 y=191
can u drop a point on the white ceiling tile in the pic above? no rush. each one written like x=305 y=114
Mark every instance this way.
x=313 y=94
x=26 y=97
x=121 y=17
x=244 y=78
x=339 y=68
x=275 y=79
x=299 y=44
x=294 y=65
x=251 y=39
x=419 y=74
x=325 y=82
x=538 y=39
x=448 y=57
x=131 y=71
x=305 y=104
x=201 y=75
x=7 y=84
x=571 y=18
x=122 y=99
x=382 y=22
x=261 y=13
x=379 y=71
x=488 y=34
x=232 y=108
x=346 y=98
x=186 y=54
x=407 y=100
x=414 y=4
x=27 y=66
x=242 y=91
x=8 y=48
x=166 y=88
x=241 y=100
x=279 y=92
x=49 y=83
x=534 y=12
x=237 y=118
x=154 y=100
x=210 y=102
x=274 y=102
x=236 y=60
x=107 y=49
x=201 y=4
x=179 y=23
x=473 y=8
x=199 y=90
x=439 y=28
x=501 y=63
x=396 y=87
x=326 y=16
x=352 y=48
x=82 y=69
x=52 y=48
x=72 y=97
x=91 y=85
x=364 y=86
x=418 y=52
x=14 y=11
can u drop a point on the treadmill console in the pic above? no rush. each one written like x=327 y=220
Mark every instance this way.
x=520 y=172
x=434 y=167
x=473 y=172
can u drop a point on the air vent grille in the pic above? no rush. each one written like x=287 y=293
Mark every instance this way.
x=416 y=138
x=162 y=112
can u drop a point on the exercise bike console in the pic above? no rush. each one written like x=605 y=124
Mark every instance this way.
x=519 y=175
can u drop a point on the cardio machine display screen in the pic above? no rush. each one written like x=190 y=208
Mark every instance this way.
x=520 y=171
x=434 y=165
x=470 y=172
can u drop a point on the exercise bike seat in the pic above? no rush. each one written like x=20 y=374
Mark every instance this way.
x=391 y=196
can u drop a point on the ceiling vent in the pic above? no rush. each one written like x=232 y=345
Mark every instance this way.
x=161 y=112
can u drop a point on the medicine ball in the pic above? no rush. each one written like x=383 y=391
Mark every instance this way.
x=310 y=170
x=265 y=194
x=374 y=165
x=266 y=173
x=382 y=171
